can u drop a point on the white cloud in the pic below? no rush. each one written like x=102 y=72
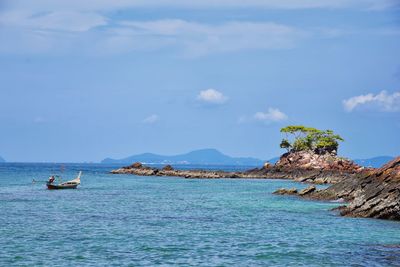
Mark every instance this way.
x=107 y=5
x=212 y=96
x=68 y=25
x=151 y=119
x=382 y=102
x=198 y=39
x=193 y=39
x=272 y=115
x=58 y=21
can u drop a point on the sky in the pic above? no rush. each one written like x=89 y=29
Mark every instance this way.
x=84 y=80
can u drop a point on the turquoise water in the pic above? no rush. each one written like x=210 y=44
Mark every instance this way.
x=127 y=220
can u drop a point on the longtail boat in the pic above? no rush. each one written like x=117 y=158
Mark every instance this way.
x=73 y=184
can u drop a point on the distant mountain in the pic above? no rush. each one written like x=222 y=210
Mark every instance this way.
x=201 y=157
x=214 y=157
x=2 y=160
x=375 y=162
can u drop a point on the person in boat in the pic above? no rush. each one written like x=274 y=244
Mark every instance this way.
x=51 y=179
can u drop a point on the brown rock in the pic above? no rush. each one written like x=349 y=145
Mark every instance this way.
x=268 y=165
x=310 y=160
x=307 y=190
x=284 y=191
x=168 y=168
x=374 y=194
x=136 y=165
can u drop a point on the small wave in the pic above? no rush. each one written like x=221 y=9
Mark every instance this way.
x=340 y=200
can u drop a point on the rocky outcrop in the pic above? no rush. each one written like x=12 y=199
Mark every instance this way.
x=284 y=191
x=311 y=161
x=373 y=194
x=294 y=191
x=299 y=166
x=307 y=190
x=317 y=176
x=138 y=169
x=168 y=168
x=307 y=166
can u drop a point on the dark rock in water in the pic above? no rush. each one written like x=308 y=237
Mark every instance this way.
x=136 y=165
x=168 y=168
x=293 y=191
x=307 y=190
x=375 y=194
x=284 y=191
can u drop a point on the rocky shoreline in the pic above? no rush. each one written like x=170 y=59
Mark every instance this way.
x=300 y=166
x=373 y=194
x=300 y=175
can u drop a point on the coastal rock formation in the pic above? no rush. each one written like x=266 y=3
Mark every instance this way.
x=284 y=191
x=299 y=166
x=307 y=166
x=307 y=190
x=168 y=168
x=373 y=194
x=311 y=161
x=294 y=191
x=138 y=169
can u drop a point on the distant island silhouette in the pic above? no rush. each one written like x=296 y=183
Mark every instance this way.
x=212 y=156
x=202 y=157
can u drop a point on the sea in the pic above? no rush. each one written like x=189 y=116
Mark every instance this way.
x=127 y=220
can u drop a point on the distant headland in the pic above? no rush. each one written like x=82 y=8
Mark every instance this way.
x=214 y=157
x=2 y=160
x=196 y=157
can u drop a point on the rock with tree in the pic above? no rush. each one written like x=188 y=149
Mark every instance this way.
x=302 y=138
x=313 y=149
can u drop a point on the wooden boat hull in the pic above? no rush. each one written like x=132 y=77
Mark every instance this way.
x=73 y=184
x=57 y=187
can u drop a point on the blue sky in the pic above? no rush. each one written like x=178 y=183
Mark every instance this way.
x=85 y=80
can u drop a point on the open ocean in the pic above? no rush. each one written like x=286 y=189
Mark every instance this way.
x=125 y=220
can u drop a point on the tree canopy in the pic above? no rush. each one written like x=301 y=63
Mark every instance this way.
x=301 y=138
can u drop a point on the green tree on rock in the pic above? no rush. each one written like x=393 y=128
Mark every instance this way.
x=308 y=138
